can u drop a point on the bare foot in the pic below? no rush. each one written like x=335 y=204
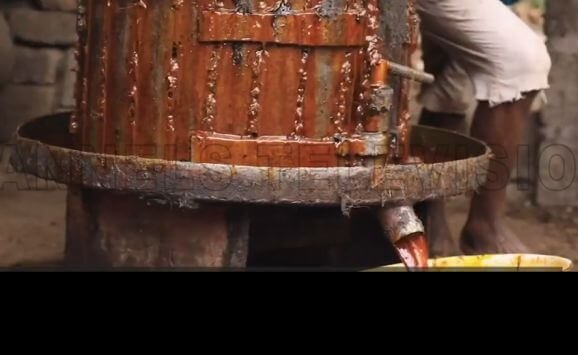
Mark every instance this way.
x=490 y=238
x=443 y=246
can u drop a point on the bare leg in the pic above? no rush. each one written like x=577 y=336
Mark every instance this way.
x=433 y=213
x=502 y=127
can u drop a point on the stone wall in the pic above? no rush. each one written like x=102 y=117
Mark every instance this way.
x=558 y=185
x=37 y=60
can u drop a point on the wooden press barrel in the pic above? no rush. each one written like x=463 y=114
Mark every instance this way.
x=246 y=82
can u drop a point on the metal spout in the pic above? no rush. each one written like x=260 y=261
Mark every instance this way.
x=400 y=222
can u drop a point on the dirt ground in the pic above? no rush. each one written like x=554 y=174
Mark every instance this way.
x=32 y=215
x=32 y=223
x=549 y=232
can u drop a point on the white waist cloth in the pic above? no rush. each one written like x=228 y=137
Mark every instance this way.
x=479 y=42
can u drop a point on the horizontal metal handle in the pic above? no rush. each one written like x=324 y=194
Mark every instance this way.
x=410 y=73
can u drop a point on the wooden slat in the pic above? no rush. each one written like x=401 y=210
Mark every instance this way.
x=263 y=152
x=305 y=29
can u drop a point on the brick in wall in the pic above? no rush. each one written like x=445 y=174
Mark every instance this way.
x=50 y=28
x=36 y=65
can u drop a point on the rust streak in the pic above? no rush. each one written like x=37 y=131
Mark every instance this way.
x=80 y=54
x=256 y=87
x=211 y=99
x=303 y=78
x=85 y=73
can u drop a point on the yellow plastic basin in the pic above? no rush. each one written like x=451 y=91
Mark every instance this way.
x=504 y=262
